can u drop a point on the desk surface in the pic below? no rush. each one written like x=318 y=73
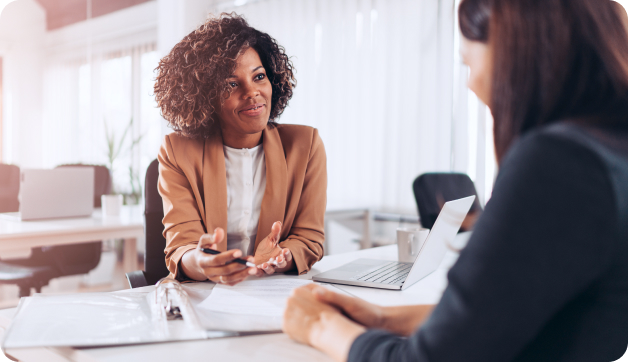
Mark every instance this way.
x=275 y=347
x=130 y=218
x=18 y=237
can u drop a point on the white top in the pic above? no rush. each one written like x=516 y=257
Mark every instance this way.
x=246 y=183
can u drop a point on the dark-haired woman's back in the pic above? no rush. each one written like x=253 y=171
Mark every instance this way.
x=545 y=275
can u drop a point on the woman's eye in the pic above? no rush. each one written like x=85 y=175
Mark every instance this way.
x=260 y=76
x=233 y=84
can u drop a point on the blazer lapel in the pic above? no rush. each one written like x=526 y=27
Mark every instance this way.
x=275 y=195
x=215 y=185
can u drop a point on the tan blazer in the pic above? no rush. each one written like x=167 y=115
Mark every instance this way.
x=193 y=185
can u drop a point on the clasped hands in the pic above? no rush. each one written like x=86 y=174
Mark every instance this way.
x=269 y=258
x=331 y=321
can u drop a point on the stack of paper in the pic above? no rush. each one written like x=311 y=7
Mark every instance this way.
x=253 y=305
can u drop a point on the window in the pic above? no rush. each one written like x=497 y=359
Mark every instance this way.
x=102 y=111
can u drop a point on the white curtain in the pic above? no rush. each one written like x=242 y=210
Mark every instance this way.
x=383 y=82
x=87 y=99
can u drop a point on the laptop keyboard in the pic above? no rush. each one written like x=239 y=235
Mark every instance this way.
x=391 y=273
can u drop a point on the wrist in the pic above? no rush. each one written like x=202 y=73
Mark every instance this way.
x=190 y=266
x=334 y=334
x=382 y=317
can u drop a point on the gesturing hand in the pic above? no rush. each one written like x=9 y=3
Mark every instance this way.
x=217 y=268
x=269 y=256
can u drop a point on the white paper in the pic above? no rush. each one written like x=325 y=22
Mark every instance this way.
x=265 y=297
x=87 y=319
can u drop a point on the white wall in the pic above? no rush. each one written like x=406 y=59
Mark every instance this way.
x=22 y=30
x=177 y=18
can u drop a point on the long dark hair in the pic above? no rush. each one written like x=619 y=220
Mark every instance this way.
x=553 y=60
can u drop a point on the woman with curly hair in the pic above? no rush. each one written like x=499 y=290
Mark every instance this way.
x=231 y=178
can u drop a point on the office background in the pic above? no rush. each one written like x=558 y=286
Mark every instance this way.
x=381 y=80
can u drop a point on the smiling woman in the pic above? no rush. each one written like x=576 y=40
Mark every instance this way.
x=231 y=178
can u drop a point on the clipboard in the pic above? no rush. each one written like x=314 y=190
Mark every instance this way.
x=164 y=314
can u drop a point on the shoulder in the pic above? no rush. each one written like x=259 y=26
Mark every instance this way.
x=296 y=131
x=177 y=141
x=299 y=138
x=557 y=153
x=178 y=150
x=174 y=143
x=548 y=167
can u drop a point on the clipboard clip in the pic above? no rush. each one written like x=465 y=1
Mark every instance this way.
x=170 y=302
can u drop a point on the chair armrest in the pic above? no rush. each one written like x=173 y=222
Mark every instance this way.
x=136 y=279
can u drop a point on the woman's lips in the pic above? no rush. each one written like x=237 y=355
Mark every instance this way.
x=253 y=110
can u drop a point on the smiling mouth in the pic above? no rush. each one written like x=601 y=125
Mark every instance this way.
x=253 y=109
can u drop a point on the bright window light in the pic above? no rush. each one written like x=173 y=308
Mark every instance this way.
x=4 y=3
x=623 y=3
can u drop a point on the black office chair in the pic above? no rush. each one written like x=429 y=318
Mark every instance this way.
x=432 y=190
x=154 y=258
x=47 y=263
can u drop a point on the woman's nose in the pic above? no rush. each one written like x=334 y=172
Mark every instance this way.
x=250 y=90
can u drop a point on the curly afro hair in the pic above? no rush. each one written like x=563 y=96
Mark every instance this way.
x=192 y=78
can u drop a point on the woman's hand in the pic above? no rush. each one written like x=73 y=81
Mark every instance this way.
x=402 y=320
x=360 y=311
x=217 y=268
x=308 y=320
x=269 y=256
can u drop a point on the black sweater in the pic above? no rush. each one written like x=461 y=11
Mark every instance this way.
x=544 y=276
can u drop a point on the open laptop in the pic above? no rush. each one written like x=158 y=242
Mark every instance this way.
x=399 y=276
x=57 y=193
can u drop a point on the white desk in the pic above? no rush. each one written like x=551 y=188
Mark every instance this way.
x=272 y=347
x=18 y=237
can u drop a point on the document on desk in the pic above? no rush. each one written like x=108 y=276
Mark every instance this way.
x=253 y=305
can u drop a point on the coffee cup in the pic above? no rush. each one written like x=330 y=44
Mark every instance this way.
x=409 y=243
x=111 y=205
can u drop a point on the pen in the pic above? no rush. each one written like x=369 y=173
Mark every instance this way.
x=239 y=261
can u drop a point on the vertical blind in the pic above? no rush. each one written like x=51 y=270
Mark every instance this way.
x=383 y=83
x=108 y=95
x=382 y=80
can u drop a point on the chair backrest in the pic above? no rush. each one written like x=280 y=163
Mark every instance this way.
x=432 y=190
x=154 y=258
x=102 y=181
x=9 y=188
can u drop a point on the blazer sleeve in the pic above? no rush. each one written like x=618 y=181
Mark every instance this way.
x=182 y=221
x=307 y=234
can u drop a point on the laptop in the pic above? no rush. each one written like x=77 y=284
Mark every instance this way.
x=58 y=193
x=397 y=275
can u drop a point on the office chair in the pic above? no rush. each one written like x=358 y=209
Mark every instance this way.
x=432 y=190
x=154 y=257
x=46 y=263
x=9 y=188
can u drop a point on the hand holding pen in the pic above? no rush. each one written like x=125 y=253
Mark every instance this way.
x=223 y=267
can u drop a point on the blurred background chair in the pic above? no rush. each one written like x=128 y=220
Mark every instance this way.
x=432 y=190
x=9 y=188
x=154 y=257
x=46 y=263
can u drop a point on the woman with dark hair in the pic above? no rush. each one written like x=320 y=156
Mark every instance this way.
x=544 y=276
x=231 y=178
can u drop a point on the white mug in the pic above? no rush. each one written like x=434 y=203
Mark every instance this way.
x=111 y=205
x=409 y=243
